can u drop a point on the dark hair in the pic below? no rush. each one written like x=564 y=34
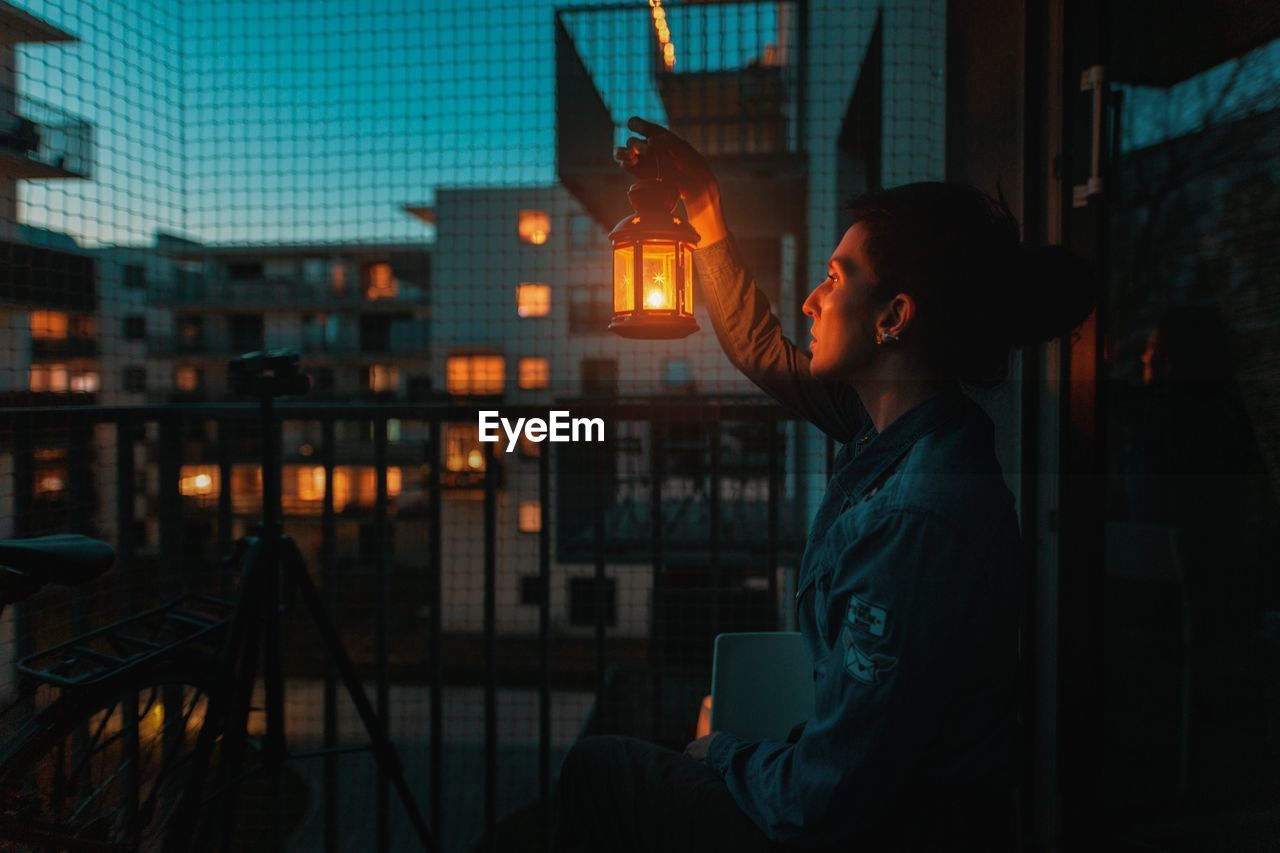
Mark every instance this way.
x=980 y=291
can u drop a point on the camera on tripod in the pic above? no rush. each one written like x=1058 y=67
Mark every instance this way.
x=273 y=373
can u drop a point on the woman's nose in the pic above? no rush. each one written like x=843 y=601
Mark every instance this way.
x=810 y=306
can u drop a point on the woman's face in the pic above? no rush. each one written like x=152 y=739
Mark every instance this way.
x=843 y=313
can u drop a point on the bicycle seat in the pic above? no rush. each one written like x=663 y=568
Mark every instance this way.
x=65 y=558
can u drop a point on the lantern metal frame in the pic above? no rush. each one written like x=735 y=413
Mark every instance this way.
x=654 y=222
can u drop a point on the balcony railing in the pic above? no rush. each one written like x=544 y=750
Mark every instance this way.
x=199 y=292
x=40 y=140
x=400 y=347
x=425 y=610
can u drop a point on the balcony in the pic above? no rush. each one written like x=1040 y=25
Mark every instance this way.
x=35 y=277
x=422 y=610
x=739 y=103
x=38 y=140
x=399 y=348
x=201 y=292
x=61 y=348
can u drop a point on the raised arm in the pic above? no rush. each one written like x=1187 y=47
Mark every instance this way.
x=747 y=329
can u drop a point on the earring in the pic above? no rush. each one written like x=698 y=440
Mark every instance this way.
x=881 y=337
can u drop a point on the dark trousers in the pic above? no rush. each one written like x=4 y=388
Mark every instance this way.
x=628 y=795
x=631 y=796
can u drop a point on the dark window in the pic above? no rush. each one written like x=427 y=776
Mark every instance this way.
x=190 y=333
x=321 y=378
x=83 y=327
x=246 y=332
x=584 y=232
x=583 y=600
x=375 y=334
x=134 y=275
x=369 y=544
x=419 y=388
x=531 y=590
x=246 y=271
x=590 y=309
x=599 y=377
x=135 y=379
x=135 y=327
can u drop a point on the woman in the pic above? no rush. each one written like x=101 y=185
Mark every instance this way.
x=908 y=591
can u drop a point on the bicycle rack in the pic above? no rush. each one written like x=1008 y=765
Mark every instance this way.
x=194 y=621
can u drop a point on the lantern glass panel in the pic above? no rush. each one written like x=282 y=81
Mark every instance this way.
x=686 y=279
x=624 y=291
x=658 y=266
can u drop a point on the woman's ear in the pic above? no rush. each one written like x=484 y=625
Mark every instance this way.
x=896 y=317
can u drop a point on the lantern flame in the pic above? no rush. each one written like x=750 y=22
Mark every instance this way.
x=655 y=299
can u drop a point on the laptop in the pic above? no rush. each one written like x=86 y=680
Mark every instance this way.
x=761 y=684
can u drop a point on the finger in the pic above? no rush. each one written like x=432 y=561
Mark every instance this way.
x=648 y=128
x=626 y=155
x=638 y=145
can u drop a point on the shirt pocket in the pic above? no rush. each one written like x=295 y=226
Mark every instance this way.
x=819 y=582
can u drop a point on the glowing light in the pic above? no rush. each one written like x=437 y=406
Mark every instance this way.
x=655 y=299
x=203 y=481
x=663 y=33
x=475 y=459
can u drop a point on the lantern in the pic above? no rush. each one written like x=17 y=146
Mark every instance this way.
x=652 y=269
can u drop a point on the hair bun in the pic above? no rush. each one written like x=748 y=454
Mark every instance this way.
x=1051 y=292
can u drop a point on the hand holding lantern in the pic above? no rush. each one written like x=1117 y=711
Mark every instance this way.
x=652 y=261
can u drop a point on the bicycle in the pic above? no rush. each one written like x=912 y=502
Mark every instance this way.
x=147 y=744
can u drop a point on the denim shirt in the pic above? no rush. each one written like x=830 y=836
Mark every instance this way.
x=907 y=600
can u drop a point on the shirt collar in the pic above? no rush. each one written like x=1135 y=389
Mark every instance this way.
x=871 y=454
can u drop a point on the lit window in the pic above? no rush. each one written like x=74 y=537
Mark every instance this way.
x=535 y=372
x=186 y=378
x=48 y=325
x=384 y=377
x=368 y=492
x=50 y=482
x=50 y=475
x=530 y=520
x=310 y=482
x=84 y=381
x=341 y=488
x=47 y=378
x=535 y=226
x=533 y=300
x=198 y=480
x=475 y=374
x=338 y=278
x=380 y=283
x=462 y=448
x=246 y=487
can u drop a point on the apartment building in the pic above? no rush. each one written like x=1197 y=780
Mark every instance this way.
x=48 y=287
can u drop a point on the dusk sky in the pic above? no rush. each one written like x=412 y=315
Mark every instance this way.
x=288 y=121
x=235 y=121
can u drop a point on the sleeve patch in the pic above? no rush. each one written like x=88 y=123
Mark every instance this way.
x=865 y=616
x=866 y=667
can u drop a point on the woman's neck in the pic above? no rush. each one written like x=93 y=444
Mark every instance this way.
x=886 y=400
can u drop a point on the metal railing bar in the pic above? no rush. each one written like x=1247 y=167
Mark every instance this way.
x=435 y=629
x=490 y=646
x=381 y=618
x=329 y=566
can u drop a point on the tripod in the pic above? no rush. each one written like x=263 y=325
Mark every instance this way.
x=270 y=561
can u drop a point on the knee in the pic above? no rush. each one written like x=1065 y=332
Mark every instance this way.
x=589 y=760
